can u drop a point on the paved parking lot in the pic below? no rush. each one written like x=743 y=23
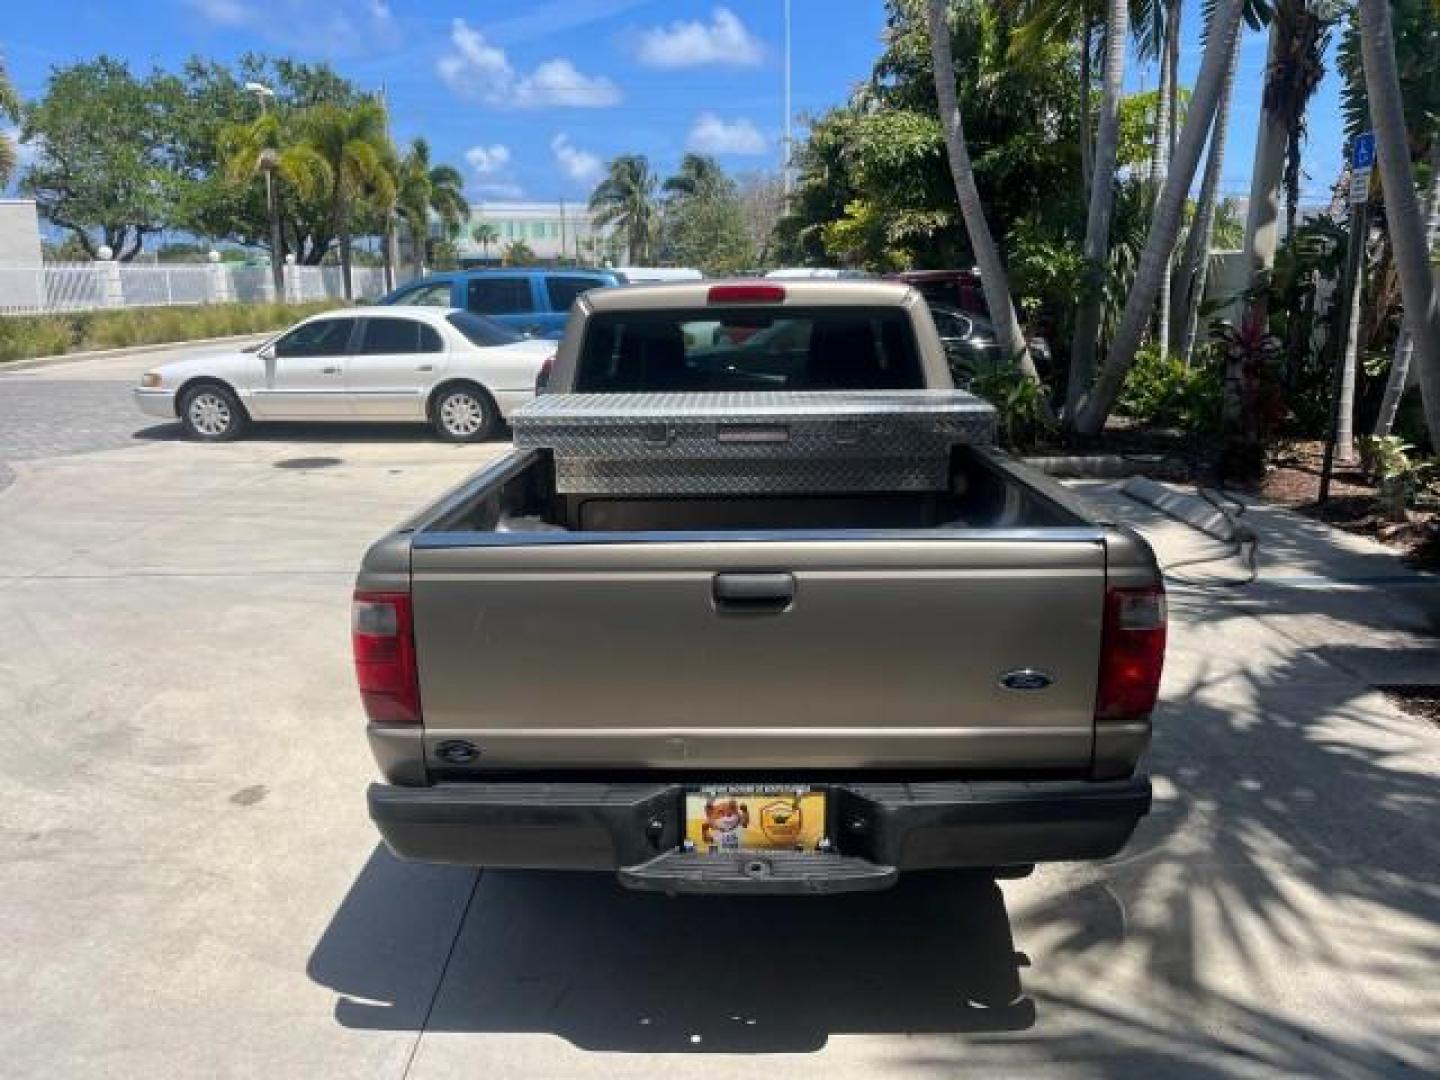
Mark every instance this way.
x=189 y=884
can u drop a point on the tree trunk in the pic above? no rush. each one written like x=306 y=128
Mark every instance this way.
x=1102 y=202
x=992 y=271
x=1087 y=146
x=1345 y=425
x=388 y=240
x=1224 y=25
x=1195 y=266
x=1261 y=233
x=277 y=239
x=1160 y=154
x=1402 y=208
x=1405 y=344
x=342 y=231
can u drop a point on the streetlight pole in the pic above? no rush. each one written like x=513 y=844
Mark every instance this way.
x=267 y=166
x=785 y=172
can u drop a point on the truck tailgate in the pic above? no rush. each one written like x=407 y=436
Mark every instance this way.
x=594 y=653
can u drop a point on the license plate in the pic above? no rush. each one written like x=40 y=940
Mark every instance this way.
x=755 y=818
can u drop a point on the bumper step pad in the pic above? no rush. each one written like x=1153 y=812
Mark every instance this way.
x=757 y=872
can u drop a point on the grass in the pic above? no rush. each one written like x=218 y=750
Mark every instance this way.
x=25 y=336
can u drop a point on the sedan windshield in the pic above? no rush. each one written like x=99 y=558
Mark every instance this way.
x=482 y=331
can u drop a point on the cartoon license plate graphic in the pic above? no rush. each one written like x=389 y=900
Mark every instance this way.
x=755 y=818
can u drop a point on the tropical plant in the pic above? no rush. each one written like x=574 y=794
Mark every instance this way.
x=424 y=188
x=1165 y=223
x=518 y=253
x=485 y=233
x=993 y=278
x=625 y=201
x=9 y=110
x=1402 y=207
x=266 y=147
x=699 y=174
x=1163 y=392
x=1253 y=409
x=355 y=146
x=1399 y=475
x=1022 y=411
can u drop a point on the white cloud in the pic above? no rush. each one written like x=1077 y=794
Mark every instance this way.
x=481 y=71
x=557 y=82
x=486 y=160
x=724 y=41
x=712 y=135
x=327 y=27
x=581 y=166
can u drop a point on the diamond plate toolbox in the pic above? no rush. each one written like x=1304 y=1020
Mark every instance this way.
x=758 y=443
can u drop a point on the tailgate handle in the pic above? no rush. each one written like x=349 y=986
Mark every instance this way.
x=754 y=593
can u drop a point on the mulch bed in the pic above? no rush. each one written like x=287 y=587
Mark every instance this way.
x=1418 y=701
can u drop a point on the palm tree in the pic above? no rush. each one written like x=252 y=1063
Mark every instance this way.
x=425 y=187
x=266 y=147
x=992 y=271
x=1188 y=292
x=485 y=233
x=1165 y=224
x=518 y=253
x=354 y=143
x=625 y=200
x=1102 y=204
x=9 y=108
x=1402 y=207
x=1399 y=377
x=699 y=174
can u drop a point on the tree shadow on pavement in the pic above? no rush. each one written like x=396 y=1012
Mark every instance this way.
x=575 y=955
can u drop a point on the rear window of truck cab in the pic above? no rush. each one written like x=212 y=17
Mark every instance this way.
x=730 y=349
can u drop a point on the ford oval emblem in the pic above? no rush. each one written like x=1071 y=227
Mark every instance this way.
x=457 y=751
x=1026 y=679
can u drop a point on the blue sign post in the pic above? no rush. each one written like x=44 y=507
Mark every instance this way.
x=1362 y=154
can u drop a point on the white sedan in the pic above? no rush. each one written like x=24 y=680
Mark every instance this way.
x=460 y=372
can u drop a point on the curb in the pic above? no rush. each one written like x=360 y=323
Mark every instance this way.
x=128 y=350
x=1188 y=509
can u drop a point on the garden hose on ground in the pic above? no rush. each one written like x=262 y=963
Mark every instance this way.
x=1241 y=540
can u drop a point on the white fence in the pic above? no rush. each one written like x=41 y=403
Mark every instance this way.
x=57 y=287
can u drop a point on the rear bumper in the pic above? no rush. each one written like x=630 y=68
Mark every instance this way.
x=636 y=829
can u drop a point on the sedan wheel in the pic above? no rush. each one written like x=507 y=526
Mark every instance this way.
x=464 y=414
x=212 y=414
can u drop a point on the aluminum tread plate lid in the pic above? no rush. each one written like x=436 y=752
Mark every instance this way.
x=762 y=442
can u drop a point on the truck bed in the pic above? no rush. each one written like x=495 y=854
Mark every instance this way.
x=570 y=632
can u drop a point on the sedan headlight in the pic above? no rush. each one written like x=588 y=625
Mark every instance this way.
x=150 y=379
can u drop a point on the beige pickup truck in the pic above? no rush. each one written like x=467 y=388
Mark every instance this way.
x=733 y=691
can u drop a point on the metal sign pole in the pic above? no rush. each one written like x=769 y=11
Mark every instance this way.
x=1362 y=161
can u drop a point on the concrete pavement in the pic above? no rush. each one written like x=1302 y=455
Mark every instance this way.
x=189 y=884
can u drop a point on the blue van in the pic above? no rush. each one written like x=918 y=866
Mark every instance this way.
x=533 y=302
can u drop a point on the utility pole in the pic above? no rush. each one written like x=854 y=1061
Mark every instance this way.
x=785 y=172
x=267 y=166
x=562 y=230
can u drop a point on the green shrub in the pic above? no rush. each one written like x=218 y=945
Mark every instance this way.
x=1160 y=391
x=25 y=336
x=1021 y=416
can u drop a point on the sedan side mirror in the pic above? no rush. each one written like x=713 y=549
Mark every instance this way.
x=267 y=353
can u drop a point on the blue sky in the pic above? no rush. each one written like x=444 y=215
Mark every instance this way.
x=530 y=98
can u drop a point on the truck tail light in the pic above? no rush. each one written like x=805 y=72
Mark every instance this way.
x=382 y=635
x=746 y=294
x=1132 y=652
x=542 y=377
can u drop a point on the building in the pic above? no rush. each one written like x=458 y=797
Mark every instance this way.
x=22 y=284
x=557 y=232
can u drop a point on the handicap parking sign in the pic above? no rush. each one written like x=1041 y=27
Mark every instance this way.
x=1362 y=154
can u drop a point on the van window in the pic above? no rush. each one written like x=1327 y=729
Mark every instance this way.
x=563 y=290
x=435 y=294
x=498 y=295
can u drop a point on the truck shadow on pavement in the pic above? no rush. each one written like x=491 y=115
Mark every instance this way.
x=577 y=956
